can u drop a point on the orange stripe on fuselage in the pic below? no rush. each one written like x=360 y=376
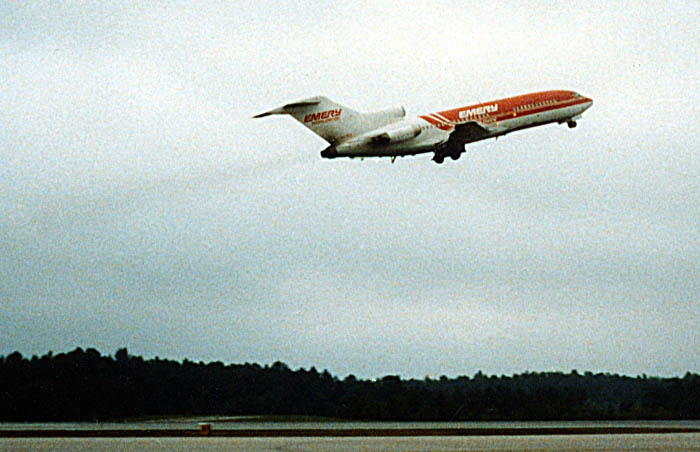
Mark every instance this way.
x=507 y=107
x=442 y=125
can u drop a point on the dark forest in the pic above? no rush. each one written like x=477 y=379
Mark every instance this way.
x=84 y=385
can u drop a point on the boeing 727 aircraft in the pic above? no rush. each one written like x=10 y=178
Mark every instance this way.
x=389 y=133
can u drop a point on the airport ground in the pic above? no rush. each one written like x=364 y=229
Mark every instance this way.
x=252 y=435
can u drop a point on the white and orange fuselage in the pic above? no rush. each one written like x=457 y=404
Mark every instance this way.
x=389 y=133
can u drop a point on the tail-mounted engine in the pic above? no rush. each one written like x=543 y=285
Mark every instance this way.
x=397 y=133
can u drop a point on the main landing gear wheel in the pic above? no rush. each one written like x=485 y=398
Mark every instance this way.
x=571 y=124
x=438 y=159
x=455 y=155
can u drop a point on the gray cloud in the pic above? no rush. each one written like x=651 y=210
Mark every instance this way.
x=140 y=205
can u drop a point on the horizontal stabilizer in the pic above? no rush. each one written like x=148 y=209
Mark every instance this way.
x=262 y=115
x=291 y=108
x=302 y=104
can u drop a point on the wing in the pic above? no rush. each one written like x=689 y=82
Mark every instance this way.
x=461 y=135
x=466 y=133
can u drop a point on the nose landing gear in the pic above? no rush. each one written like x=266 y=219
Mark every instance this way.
x=571 y=123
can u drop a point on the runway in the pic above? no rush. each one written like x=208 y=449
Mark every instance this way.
x=206 y=431
x=251 y=434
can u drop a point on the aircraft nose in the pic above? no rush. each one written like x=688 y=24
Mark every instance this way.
x=589 y=102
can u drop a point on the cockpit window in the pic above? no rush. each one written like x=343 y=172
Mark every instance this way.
x=577 y=95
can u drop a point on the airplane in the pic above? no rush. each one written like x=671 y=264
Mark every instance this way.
x=389 y=133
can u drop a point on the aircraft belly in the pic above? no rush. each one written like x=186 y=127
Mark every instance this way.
x=412 y=147
x=536 y=119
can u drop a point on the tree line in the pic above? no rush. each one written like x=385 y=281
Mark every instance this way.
x=84 y=385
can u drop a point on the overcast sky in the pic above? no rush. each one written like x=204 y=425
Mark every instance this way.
x=142 y=207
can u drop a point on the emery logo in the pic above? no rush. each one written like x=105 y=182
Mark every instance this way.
x=478 y=111
x=323 y=116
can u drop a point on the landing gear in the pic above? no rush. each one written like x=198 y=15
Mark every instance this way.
x=571 y=123
x=443 y=151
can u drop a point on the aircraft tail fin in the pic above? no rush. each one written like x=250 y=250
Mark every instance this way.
x=331 y=121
